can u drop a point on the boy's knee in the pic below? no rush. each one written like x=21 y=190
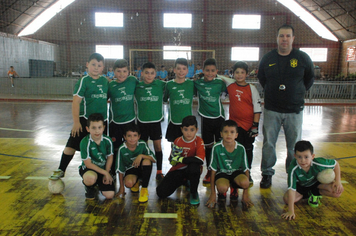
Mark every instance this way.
x=160 y=192
x=146 y=162
x=109 y=194
x=194 y=168
x=222 y=189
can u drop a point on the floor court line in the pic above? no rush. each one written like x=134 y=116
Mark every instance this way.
x=33 y=158
x=161 y=215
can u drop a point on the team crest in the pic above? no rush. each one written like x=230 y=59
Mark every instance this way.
x=293 y=62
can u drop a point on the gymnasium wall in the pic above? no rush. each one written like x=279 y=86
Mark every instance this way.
x=18 y=51
x=347 y=67
x=74 y=30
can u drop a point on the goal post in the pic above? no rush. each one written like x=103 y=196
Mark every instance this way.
x=139 y=56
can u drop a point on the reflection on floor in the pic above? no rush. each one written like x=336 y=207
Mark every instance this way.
x=32 y=138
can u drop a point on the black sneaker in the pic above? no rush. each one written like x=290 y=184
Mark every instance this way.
x=90 y=192
x=266 y=181
x=221 y=196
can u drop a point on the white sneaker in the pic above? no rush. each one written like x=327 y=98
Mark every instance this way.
x=57 y=174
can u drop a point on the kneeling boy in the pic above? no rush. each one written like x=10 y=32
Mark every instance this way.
x=302 y=178
x=134 y=160
x=229 y=166
x=186 y=165
x=96 y=150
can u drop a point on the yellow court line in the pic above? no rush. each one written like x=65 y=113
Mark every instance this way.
x=21 y=130
x=352 y=132
x=46 y=178
x=161 y=215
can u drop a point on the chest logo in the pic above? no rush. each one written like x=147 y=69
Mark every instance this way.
x=293 y=62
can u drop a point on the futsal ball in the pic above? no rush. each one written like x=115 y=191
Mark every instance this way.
x=56 y=186
x=326 y=176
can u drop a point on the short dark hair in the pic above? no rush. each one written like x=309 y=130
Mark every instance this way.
x=11 y=67
x=148 y=65
x=96 y=56
x=181 y=61
x=229 y=123
x=210 y=62
x=285 y=26
x=241 y=65
x=132 y=128
x=189 y=120
x=302 y=146
x=94 y=118
x=120 y=63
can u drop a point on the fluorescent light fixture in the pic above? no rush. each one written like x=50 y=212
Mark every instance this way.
x=246 y=21
x=177 y=20
x=316 y=54
x=44 y=17
x=245 y=53
x=174 y=52
x=309 y=19
x=109 y=19
x=110 y=51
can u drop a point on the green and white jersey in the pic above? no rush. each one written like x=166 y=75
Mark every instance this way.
x=125 y=157
x=94 y=93
x=149 y=98
x=297 y=175
x=97 y=153
x=122 y=105
x=180 y=100
x=208 y=92
x=223 y=161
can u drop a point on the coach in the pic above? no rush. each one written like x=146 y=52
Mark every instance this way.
x=285 y=74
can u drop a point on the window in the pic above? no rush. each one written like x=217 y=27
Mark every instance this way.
x=246 y=22
x=109 y=19
x=316 y=54
x=174 y=20
x=110 y=51
x=175 y=52
x=245 y=54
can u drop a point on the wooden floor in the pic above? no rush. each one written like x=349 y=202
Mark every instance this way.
x=33 y=135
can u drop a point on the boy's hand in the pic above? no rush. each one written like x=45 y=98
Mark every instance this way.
x=246 y=201
x=337 y=187
x=107 y=179
x=253 y=132
x=76 y=129
x=121 y=193
x=137 y=161
x=288 y=216
x=212 y=201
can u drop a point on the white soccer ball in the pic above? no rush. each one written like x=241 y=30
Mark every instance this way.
x=56 y=186
x=326 y=176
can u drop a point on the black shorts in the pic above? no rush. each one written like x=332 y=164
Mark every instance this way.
x=211 y=130
x=134 y=171
x=99 y=180
x=117 y=132
x=150 y=130
x=173 y=132
x=230 y=177
x=306 y=191
x=74 y=142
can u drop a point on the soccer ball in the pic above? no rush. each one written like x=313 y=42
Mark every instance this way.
x=56 y=186
x=326 y=176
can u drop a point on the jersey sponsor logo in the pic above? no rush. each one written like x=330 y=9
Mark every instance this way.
x=272 y=64
x=124 y=98
x=208 y=99
x=293 y=62
x=152 y=99
x=102 y=95
x=184 y=101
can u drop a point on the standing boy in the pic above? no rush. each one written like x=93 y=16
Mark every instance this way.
x=90 y=96
x=149 y=98
x=245 y=108
x=302 y=178
x=210 y=107
x=180 y=93
x=110 y=75
x=187 y=164
x=134 y=162
x=122 y=110
x=96 y=151
x=229 y=167
x=12 y=74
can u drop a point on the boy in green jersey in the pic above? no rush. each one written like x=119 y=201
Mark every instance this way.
x=229 y=167
x=96 y=151
x=134 y=161
x=180 y=93
x=90 y=96
x=149 y=99
x=122 y=110
x=302 y=178
x=210 y=108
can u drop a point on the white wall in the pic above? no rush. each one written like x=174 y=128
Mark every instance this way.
x=15 y=51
